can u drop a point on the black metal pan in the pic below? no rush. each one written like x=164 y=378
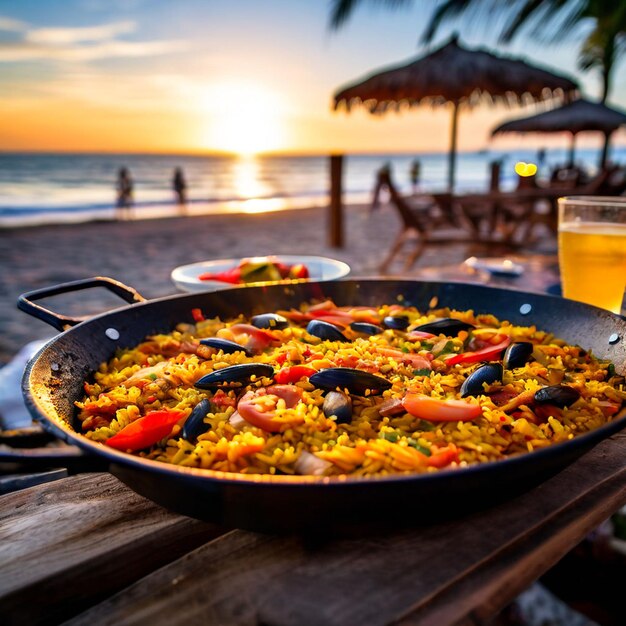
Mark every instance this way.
x=53 y=381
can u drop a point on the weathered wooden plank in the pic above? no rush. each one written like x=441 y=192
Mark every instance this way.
x=504 y=575
x=67 y=545
x=243 y=578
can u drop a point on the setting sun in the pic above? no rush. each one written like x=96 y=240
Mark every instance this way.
x=244 y=119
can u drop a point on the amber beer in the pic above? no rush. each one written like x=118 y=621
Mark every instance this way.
x=592 y=250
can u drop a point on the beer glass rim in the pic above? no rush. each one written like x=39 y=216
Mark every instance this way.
x=618 y=201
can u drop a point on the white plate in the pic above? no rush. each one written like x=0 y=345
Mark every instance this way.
x=186 y=278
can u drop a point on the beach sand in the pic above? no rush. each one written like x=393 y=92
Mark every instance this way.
x=142 y=253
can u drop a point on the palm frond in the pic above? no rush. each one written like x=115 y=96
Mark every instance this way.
x=447 y=11
x=341 y=10
x=519 y=19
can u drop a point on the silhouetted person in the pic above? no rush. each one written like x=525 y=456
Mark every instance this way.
x=124 y=193
x=541 y=157
x=414 y=173
x=180 y=188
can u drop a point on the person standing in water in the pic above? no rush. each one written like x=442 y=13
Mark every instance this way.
x=124 y=193
x=180 y=189
x=415 y=174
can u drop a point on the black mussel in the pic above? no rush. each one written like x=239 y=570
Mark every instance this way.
x=355 y=381
x=225 y=345
x=325 y=331
x=397 y=322
x=365 y=328
x=488 y=373
x=339 y=405
x=445 y=326
x=273 y=321
x=517 y=354
x=558 y=395
x=195 y=425
x=234 y=375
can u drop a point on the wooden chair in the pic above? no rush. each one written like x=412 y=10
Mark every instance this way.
x=420 y=224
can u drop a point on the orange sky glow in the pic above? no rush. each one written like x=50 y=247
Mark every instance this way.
x=130 y=82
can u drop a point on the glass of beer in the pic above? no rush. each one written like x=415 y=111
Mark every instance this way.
x=592 y=249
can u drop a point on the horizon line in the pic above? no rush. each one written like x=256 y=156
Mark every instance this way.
x=295 y=153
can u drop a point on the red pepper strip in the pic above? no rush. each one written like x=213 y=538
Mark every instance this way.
x=197 y=315
x=486 y=354
x=444 y=456
x=435 y=410
x=228 y=276
x=333 y=313
x=293 y=374
x=283 y=269
x=145 y=431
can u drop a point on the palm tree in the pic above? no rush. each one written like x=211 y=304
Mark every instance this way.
x=545 y=20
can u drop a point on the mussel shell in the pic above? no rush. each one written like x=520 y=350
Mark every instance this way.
x=355 y=381
x=225 y=345
x=488 y=373
x=339 y=405
x=558 y=395
x=366 y=328
x=272 y=321
x=397 y=322
x=325 y=331
x=234 y=375
x=195 y=425
x=446 y=326
x=517 y=354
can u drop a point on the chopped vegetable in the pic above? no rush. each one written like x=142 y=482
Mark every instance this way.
x=435 y=410
x=232 y=276
x=258 y=271
x=145 y=431
x=293 y=374
x=197 y=315
x=484 y=354
x=310 y=465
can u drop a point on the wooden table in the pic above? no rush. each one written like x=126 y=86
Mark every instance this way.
x=86 y=547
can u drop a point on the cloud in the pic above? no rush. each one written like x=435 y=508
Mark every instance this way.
x=80 y=44
x=111 y=5
x=20 y=51
x=12 y=25
x=69 y=36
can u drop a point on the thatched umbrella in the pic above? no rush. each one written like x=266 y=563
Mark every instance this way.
x=575 y=117
x=459 y=76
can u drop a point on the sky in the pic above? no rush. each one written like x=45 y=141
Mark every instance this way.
x=243 y=76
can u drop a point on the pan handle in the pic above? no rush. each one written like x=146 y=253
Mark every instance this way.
x=63 y=322
x=70 y=457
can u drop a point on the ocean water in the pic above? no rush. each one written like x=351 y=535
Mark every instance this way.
x=49 y=188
